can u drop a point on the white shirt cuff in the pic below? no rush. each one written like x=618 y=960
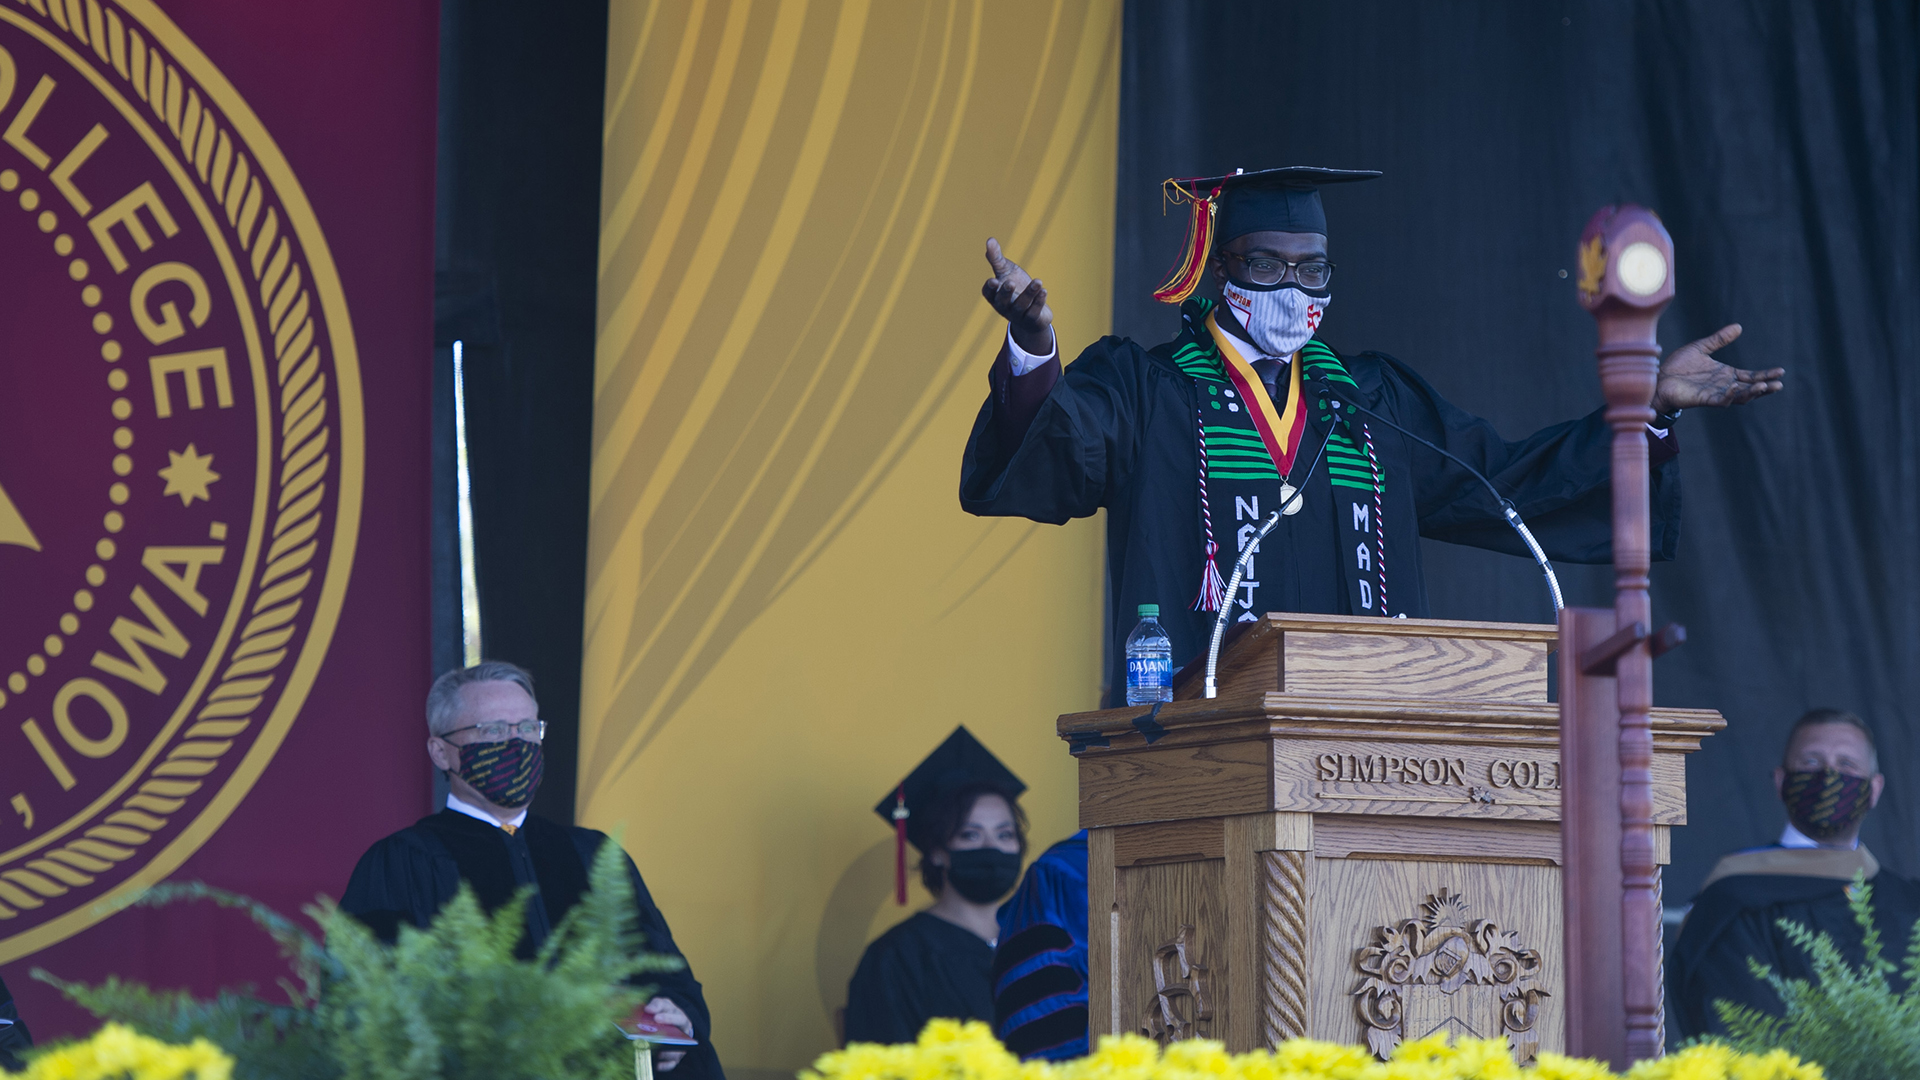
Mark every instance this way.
x=1024 y=361
x=1658 y=432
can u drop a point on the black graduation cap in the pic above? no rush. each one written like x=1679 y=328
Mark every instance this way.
x=1226 y=207
x=957 y=763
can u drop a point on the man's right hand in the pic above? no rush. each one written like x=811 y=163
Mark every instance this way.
x=664 y=1011
x=1021 y=299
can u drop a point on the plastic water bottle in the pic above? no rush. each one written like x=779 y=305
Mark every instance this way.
x=1149 y=660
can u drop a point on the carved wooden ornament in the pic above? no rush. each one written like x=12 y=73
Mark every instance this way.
x=1442 y=971
x=1182 y=1004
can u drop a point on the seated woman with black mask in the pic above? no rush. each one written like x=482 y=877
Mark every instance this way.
x=964 y=816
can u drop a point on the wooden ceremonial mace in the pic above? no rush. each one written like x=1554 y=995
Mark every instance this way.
x=1611 y=883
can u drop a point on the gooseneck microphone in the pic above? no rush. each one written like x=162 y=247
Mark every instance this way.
x=1246 y=555
x=1324 y=389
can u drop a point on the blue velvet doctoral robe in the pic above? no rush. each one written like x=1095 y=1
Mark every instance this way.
x=14 y=1039
x=1040 y=966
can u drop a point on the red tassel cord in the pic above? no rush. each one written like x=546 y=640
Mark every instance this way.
x=1185 y=275
x=900 y=846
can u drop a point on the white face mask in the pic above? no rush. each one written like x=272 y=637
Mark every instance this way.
x=1279 y=320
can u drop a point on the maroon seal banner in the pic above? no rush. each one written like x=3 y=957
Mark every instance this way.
x=213 y=416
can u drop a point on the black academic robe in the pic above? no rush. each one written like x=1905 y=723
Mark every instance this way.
x=1737 y=917
x=1115 y=431
x=14 y=1038
x=409 y=875
x=926 y=967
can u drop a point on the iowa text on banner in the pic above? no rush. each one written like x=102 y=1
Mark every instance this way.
x=184 y=462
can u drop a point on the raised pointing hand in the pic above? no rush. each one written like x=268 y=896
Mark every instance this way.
x=1021 y=299
x=1691 y=378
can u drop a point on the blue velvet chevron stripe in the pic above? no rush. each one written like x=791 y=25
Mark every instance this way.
x=1040 y=967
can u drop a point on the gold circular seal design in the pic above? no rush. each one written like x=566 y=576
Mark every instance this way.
x=180 y=456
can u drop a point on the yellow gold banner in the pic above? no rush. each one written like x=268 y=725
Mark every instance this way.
x=786 y=608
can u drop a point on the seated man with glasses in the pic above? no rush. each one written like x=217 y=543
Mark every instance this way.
x=484 y=732
x=1828 y=778
x=1189 y=446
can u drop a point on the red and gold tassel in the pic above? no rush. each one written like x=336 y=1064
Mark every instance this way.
x=900 y=846
x=1185 y=276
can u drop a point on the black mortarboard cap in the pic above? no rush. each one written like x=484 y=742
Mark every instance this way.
x=956 y=764
x=1272 y=200
x=1231 y=206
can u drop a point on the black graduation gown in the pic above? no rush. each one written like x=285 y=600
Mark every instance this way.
x=14 y=1038
x=926 y=967
x=1116 y=431
x=409 y=875
x=1737 y=916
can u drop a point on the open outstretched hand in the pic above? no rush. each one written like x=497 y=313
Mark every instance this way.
x=1691 y=378
x=1021 y=299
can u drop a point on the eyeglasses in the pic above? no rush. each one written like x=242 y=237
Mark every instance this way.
x=502 y=730
x=1261 y=270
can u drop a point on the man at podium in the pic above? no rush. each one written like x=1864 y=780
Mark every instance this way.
x=1189 y=445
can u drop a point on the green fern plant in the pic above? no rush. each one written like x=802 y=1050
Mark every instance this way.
x=268 y=1041
x=1848 y=1019
x=450 y=1002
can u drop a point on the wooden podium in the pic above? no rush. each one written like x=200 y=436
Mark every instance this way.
x=1358 y=840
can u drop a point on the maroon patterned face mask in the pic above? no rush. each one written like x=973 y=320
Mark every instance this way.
x=1823 y=803
x=504 y=773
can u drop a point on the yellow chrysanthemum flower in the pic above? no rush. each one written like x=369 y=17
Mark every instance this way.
x=1311 y=1058
x=116 y=1052
x=950 y=1050
x=1556 y=1067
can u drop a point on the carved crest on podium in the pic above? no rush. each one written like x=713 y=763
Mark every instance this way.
x=1442 y=971
x=1182 y=1004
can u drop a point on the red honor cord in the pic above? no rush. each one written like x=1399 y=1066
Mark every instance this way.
x=900 y=846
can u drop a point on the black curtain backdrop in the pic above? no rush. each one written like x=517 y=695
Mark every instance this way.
x=521 y=92
x=1778 y=141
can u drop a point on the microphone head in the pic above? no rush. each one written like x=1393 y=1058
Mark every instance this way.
x=1330 y=410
